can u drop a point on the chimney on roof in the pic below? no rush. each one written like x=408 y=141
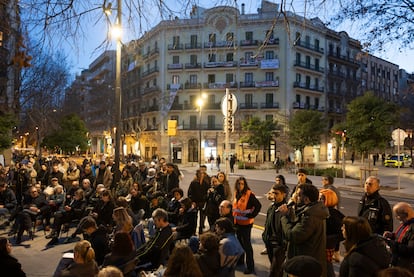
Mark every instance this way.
x=242 y=9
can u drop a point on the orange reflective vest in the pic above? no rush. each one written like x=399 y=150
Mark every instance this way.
x=240 y=209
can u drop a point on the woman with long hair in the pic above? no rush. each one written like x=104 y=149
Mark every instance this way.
x=124 y=184
x=222 y=179
x=122 y=250
x=188 y=223
x=182 y=263
x=245 y=208
x=9 y=264
x=215 y=195
x=84 y=261
x=366 y=254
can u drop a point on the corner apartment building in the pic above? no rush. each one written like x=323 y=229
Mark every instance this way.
x=272 y=68
x=92 y=96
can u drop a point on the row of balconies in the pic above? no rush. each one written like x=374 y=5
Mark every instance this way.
x=217 y=106
x=351 y=60
x=220 y=44
x=307 y=106
x=308 y=86
x=151 y=53
x=309 y=46
x=207 y=65
x=222 y=85
x=309 y=66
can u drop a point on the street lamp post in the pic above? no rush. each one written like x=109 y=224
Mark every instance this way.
x=118 y=96
x=200 y=103
x=410 y=137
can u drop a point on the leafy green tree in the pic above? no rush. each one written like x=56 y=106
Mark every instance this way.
x=259 y=133
x=71 y=134
x=305 y=129
x=369 y=122
x=7 y=121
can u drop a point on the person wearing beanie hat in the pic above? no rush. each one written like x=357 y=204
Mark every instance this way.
x=333 y=229
x=303 y=266
x=327 y=183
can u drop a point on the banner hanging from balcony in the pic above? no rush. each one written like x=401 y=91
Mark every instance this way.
x=168 y=99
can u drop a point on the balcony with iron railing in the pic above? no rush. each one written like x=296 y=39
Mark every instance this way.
x=266 y=84
x=246 y=106
x=192 y=86
x=253 y=42
x=175 y=46
x=203 y=127
x=220 y=64
x=193 y=45
x=338 y=56
x=308 y=87
x=309 y=66
x=150 y=89
x=219 y=44
x=271 y=105
x=248 y=84
x=220 y=85
x=175 y=66
x=150 y=71
x=192 y=65
x=306 y=106
x=309 y=46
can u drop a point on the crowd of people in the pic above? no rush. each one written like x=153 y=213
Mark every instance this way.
x=139 y=219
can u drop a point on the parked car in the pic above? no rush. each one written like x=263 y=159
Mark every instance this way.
x=404 y=160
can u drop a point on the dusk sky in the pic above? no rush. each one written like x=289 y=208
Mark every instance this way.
x=87 y=53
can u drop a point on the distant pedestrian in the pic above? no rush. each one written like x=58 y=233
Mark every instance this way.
x=353 y=157
x=232 y=162
x=218 y=162
x=249 y=158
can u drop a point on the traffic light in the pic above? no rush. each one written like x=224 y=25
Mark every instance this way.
x=172 y=127
x=230 y=123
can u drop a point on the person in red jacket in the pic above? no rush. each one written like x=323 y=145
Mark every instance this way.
x=245 y=208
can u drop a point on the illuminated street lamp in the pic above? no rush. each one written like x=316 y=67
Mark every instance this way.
x=200 y=103
x=117 y=34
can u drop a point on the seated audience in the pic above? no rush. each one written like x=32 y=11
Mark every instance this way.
x=8 y=264
x=122 y=250
x=188 y=223
x=208 y=257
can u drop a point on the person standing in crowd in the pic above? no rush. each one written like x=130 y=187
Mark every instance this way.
x=401 y=241
x=375 y=208
x=103 y=176
x=170 y=180
x=197 y=192
x=273 y=236
x=304 y=225
x=215 y=195
x=333 y=228
x=245 y=208
x=222 y=179
x=328 y=183
x=302 y=178
x=9 y=265
x=366 y=253
x=70 y=175
x=280 y=180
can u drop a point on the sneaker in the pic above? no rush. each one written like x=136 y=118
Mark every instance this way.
x=264 y=252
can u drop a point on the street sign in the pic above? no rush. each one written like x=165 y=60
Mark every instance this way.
x=398 y=135
x=224 y=104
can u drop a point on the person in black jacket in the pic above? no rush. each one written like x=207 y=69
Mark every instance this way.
x=375 y=208
x=197 y=192
x=188 y=223
x=366 y=253
x=9 y=265
x=215 y=195
x=273 y=233
x=8 y=202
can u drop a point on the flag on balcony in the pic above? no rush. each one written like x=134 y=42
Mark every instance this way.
x=168 y=100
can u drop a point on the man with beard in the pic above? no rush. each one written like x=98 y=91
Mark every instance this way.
x=304 y=225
